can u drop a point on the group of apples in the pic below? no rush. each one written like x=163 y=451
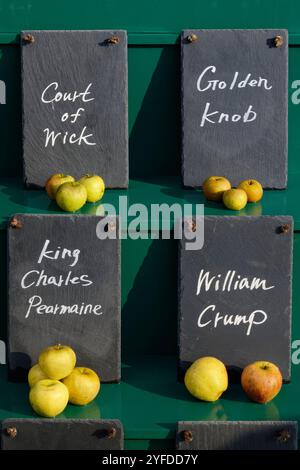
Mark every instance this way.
x=218 y=188
x=71 y=195
x=207 y=378
x=55 y=381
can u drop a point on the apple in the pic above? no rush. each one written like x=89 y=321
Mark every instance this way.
x=214 y=187
x=57 y=361
x=235 y=199
x=71 y=196
x=253 y=189
x=94 y=186
x=49 y=397
x=83 y=385
x=55 y=181
x=261 y=381
x=35 y=374
x=206 y=379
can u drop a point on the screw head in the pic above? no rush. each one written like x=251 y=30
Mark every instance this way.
x=284 y=228
x=15 y=223
x=283 y=436
x=113 y=40
x=278 y=41
x=111 y=433
x=29 y=38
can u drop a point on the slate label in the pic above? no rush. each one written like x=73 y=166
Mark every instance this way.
x=234 y=105
x=62 y=434
x=75 y=105
x=64 y=287
x=235 y=293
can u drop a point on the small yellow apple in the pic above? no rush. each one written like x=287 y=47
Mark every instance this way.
x=49 y=397
x=55 y=181
x=261 y=381
x=94 y=186
x=35 y=374
x=214 y=187
x=83 y=385
x=235 y=199
x=57 y=361
x=70 y=197
x=253 y=189
x=206 y=379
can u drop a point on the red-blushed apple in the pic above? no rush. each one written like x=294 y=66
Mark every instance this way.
x=70 y=197
x=261 y=381
x=55 y=181
x=94 y=186
x=57 y=361
x=214 y=187
x=253 y=189
x=235 y=199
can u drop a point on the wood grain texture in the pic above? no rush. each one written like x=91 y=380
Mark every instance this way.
x=62 y=434
x=235 y=248
x=95 y=337
x=238 y=435
x=73 y=60
x=236 y=150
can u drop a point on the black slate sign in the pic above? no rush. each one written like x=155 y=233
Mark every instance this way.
x=235 y=293
x=234 y=105
x=62 y=434
x=64 y=287
x=75 y=105
x=237 y=435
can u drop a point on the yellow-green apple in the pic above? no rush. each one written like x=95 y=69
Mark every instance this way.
x=261 y=381
x=94 y=186
x=55 y=181
x=35 y=374
x=71 y=196
x=235 y=199
x=206 y=379
x=83 y=385
x=253 y=189
x=49 y=397
x=57 y=361
x=214 y=187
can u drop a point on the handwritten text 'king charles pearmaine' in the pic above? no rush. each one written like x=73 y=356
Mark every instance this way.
x=52 y=95
x=231 y=281
x=40 y=278
x=207 y=81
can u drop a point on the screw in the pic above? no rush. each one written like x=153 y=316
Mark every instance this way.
x=191 y=224
x=111 y=433
x=111 y=226
x=278 y=41
x=28 y=38
x=113 y=40
x=12 y=432
x=283 y=436
x=284 y=228
x=187 y=436
x=15 y=223
x=192 y=38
